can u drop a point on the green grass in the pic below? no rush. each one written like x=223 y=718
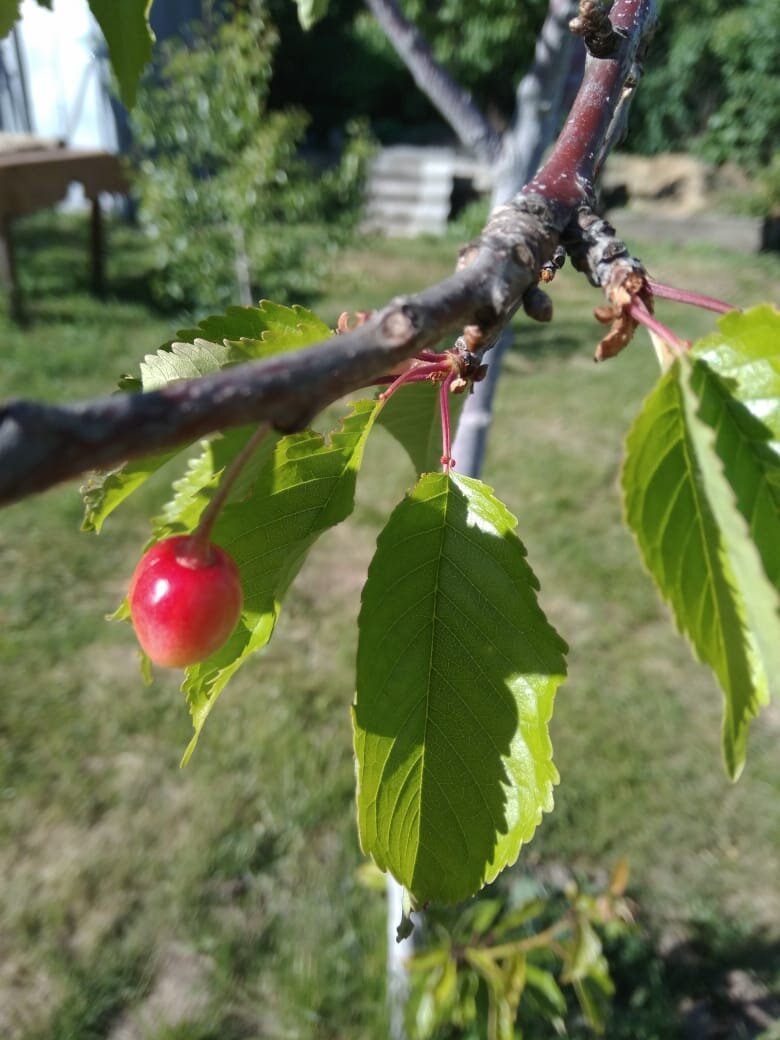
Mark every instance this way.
x=244 y=864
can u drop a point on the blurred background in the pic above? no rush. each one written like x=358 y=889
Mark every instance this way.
x=229 y=900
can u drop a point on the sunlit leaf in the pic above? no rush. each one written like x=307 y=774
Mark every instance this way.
x=547 y=988
x=583 y=953
x=746 y=351
x=185 y=361
x=741 y=476
x=457 y=669
x=262 y=331
x=311 y=11
x=701 y=490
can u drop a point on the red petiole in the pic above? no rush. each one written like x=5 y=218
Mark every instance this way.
x=417 y=374
x=639 y=312
x=446 y=433
x=708 y=303
x=200 y=539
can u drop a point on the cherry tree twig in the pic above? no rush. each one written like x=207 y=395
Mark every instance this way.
x=42 y=444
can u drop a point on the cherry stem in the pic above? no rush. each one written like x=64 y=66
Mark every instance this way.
x=707 y=303
x=446 y=432
x=200 y=538
x=640 y=313
x=414 y=375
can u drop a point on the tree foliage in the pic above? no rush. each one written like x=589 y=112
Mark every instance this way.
x=712 y=82
x=485 y=46
x=232 y=208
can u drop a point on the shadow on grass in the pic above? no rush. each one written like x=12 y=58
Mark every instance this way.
x=727 y=979
x=720 y=981
x=534 y=343
x=97 y=993
x=53 y=261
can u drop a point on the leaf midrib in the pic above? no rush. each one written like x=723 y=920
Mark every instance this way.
x=700 y=516
x=434 y=619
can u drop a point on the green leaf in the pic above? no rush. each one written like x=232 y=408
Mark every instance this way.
x=746 y=352
x=544 y=983
x=305 y=486
x=586 y=969
x=741 y=475
x=590 y=1004
x=413 y=417
x=505 y=987
x=125 y=25
x=669 y=510
x=9 y=15
x=584 y=953
x=262 y=331
x=105 y=491
x=129 y=384
x=456 y=673
x=311 y=11
x=185 y=361
x=520 y=916
x=479 y=916
x=482 y=962
x=720 y=454
x=424 y=962
x=445 y=990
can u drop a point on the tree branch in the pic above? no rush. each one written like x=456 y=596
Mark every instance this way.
x=42 y=444
x=538 y=102
x=454 y=103
x=593 y=24
x=599 y=109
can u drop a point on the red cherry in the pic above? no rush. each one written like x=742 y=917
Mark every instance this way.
x=185 y=601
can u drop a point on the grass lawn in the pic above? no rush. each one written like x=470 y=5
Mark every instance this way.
x=132 y=889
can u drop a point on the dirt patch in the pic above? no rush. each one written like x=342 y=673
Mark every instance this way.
x=28 y=994
x=180 y=994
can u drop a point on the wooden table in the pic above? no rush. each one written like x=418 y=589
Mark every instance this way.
x=34 y=178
